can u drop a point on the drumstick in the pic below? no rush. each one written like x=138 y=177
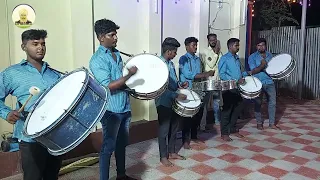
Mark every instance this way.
x=254 y=80
x=193 y=96
x=33 y=91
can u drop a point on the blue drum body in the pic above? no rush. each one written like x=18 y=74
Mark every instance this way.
x=77 y=122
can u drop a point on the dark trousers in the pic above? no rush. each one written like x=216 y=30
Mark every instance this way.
x=190 y=127
x=168 y=128
x=232 y=107
x=37 y=163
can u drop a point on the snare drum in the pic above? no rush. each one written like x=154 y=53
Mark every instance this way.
x=151 y=79
x=188 y=107
x=65 y=114
x=207 y=85
x=251 y=89
x=281 y=66
x=228 y=85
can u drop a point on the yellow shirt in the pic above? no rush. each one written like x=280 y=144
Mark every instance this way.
x=210 y=61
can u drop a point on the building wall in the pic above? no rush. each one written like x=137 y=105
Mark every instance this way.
x=71 y=40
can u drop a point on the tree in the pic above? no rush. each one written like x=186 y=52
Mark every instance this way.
x=275 y=12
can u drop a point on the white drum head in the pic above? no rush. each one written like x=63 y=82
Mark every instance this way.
x=152 y=73
x=55 y=102
x=278 y=64
x=250 y=85
x=189 y=102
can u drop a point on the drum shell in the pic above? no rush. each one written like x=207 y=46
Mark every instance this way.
x=228 y=85
x=184 y=111
x=207 y=85
x=287 y=72
x=77 y=123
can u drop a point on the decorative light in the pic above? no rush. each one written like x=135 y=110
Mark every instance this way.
x=300 y=2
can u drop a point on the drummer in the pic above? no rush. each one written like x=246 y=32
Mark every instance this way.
x=210 y=58
x=230 y=69
x=190 y=70
x=257 y=63
x=167 y=118
x=16 y=80
x=106 y=65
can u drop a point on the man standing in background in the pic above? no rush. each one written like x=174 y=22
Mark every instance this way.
x=210 y=59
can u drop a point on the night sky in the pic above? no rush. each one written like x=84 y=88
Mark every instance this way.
x=312 y=13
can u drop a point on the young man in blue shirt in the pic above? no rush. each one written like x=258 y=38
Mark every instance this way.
x=106 y=65
x=37 y=163
x=190 y=70
x=257 y=63
x=230 y=69
x=167 y=118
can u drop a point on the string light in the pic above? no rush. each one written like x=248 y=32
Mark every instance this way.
x=300 y=2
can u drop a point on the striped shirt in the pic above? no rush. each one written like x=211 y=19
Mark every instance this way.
x=17 y=80
x=170 y=93
x=105 y=70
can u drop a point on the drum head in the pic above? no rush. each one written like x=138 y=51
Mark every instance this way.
x=253 y=84
x=189 y=102
x=278 y=64
x=55 y=102
x=151 y=76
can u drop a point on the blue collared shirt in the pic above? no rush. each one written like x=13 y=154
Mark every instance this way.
x=189 y=67
x=230 y=67
x=255 y=61
x=170 y=93
x=17 y=80
x=105 y=70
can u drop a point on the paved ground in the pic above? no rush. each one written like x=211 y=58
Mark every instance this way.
x=290 y=154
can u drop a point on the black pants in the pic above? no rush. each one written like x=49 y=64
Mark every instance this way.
x=190 y=127
x=37 y=163
x=168 y=128
x=232 y=107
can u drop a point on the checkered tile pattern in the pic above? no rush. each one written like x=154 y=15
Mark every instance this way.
x=290 y=154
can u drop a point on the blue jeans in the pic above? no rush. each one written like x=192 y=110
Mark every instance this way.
x=270 y=91
x=115 y=138
x=216 y=105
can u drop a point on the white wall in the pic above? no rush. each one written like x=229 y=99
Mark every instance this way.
x=71 y=39
x=141 y=30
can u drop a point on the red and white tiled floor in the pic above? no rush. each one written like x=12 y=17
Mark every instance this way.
x=290 y=154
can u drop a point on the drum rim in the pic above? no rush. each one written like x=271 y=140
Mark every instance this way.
x=153 y=95
x=55 y=123
x=124 y=66
x=287 y=71
x=285 y=68
x=194 y=111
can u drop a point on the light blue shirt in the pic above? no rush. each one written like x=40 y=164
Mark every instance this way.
x=17 y=80
x=170 y=93
x=230 y=67
x=105 y=70
x=189 y=67
x=255 y=61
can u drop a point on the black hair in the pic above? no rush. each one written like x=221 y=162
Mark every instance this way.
x=231 y=41
x=189 y=40
x=170 y=44
x=261 y=40
x=104 y=26
x=211 y=34
x=33 y=34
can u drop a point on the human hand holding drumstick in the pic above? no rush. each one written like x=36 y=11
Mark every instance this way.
x=14 y=115
x=33 y=91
